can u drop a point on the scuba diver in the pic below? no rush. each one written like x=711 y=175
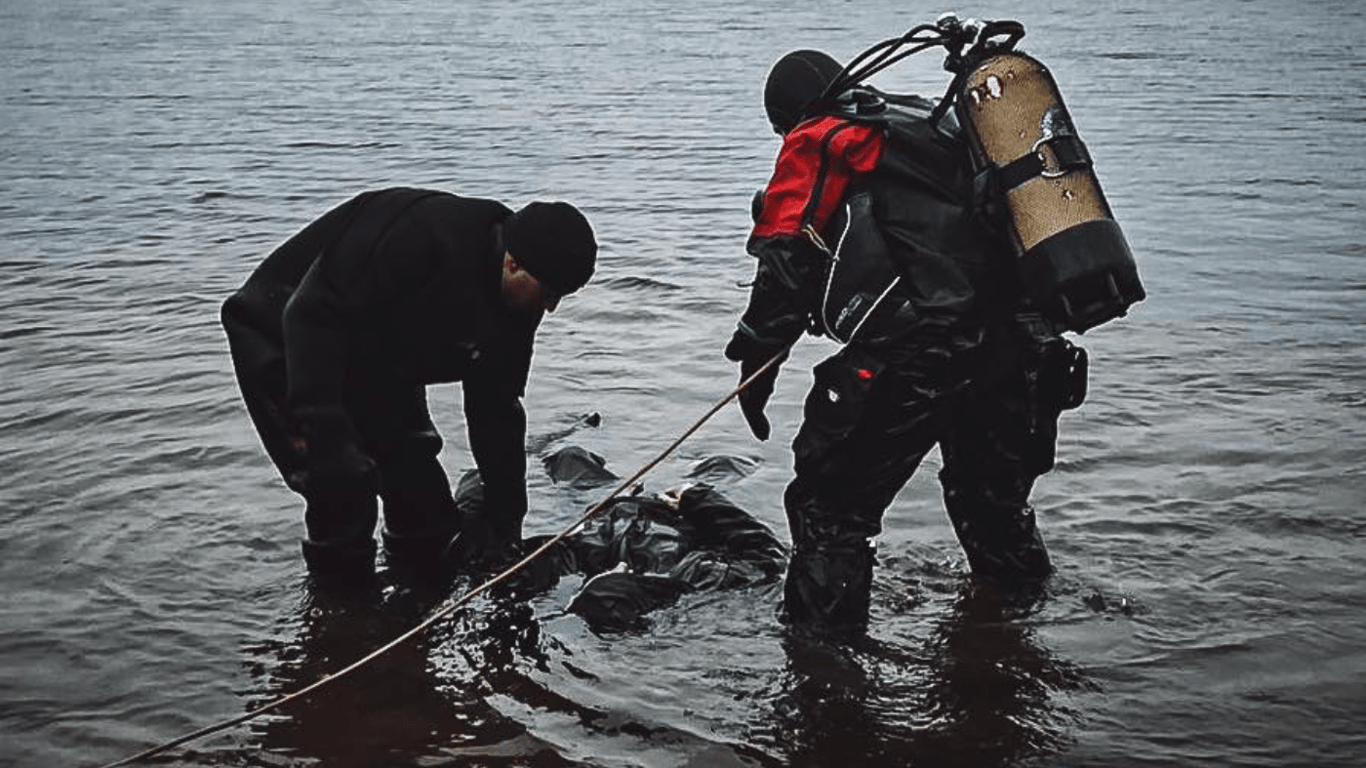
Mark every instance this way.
x=885 y=226
x=335 y=336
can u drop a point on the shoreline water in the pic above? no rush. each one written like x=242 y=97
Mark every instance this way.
x=1204 y=514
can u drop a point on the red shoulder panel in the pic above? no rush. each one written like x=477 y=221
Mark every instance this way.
x=818 y=161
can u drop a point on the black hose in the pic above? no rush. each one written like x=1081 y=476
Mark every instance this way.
x=852 y=75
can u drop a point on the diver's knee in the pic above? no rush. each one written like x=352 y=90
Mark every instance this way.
x=1002 y=543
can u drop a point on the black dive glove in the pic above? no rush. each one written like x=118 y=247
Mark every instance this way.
x=751 y=354
x=484 y=543
x=335 y=461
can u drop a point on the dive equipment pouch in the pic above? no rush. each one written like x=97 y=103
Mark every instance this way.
x=836 y=403
x=1072 y=258
x=862 y=273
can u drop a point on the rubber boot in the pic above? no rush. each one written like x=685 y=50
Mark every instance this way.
x=340 y=548
x=420 y=519
x=340 y=565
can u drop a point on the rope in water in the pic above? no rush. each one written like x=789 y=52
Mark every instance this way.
x=453 y=605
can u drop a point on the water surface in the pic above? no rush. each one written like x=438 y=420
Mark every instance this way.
x=1205 y=515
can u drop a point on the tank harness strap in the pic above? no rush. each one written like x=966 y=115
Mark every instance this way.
x=1051 y=157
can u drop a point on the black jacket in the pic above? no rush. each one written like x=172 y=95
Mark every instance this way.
x=401 y=288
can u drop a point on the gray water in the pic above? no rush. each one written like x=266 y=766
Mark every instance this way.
x=1205 y=514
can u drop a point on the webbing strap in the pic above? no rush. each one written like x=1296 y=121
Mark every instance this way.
x=1051 y=157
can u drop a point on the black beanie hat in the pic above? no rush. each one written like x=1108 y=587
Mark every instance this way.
x=554 y=242
x=795 y=81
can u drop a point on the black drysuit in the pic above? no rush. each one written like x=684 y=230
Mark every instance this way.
x=334 y=338
x=951 y=355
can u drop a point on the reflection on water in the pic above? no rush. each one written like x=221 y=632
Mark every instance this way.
x=980 y=690
x=397 y=709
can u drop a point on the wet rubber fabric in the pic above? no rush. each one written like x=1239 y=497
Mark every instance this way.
x=872 y=415
x=334 y=338
x=644 y=552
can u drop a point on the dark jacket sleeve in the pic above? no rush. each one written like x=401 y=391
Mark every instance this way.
x=785 y=294
x=816 y=165
x=496 y=425
x=497 y=434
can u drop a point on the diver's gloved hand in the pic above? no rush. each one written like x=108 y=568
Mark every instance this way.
x=332 y=453
x=752 y=355
x=755 y=397
x=482 y=544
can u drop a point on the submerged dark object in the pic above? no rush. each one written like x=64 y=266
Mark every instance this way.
x=715 y=468
x=644 y=552
x=578 y=467
x=619 y=600
x=641 y=553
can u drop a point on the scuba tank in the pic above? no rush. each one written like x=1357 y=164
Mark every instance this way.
x=1072 y=257
x=1035 y=178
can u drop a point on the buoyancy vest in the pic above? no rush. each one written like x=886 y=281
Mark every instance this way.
x=1034 y=191
x=909 y=244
